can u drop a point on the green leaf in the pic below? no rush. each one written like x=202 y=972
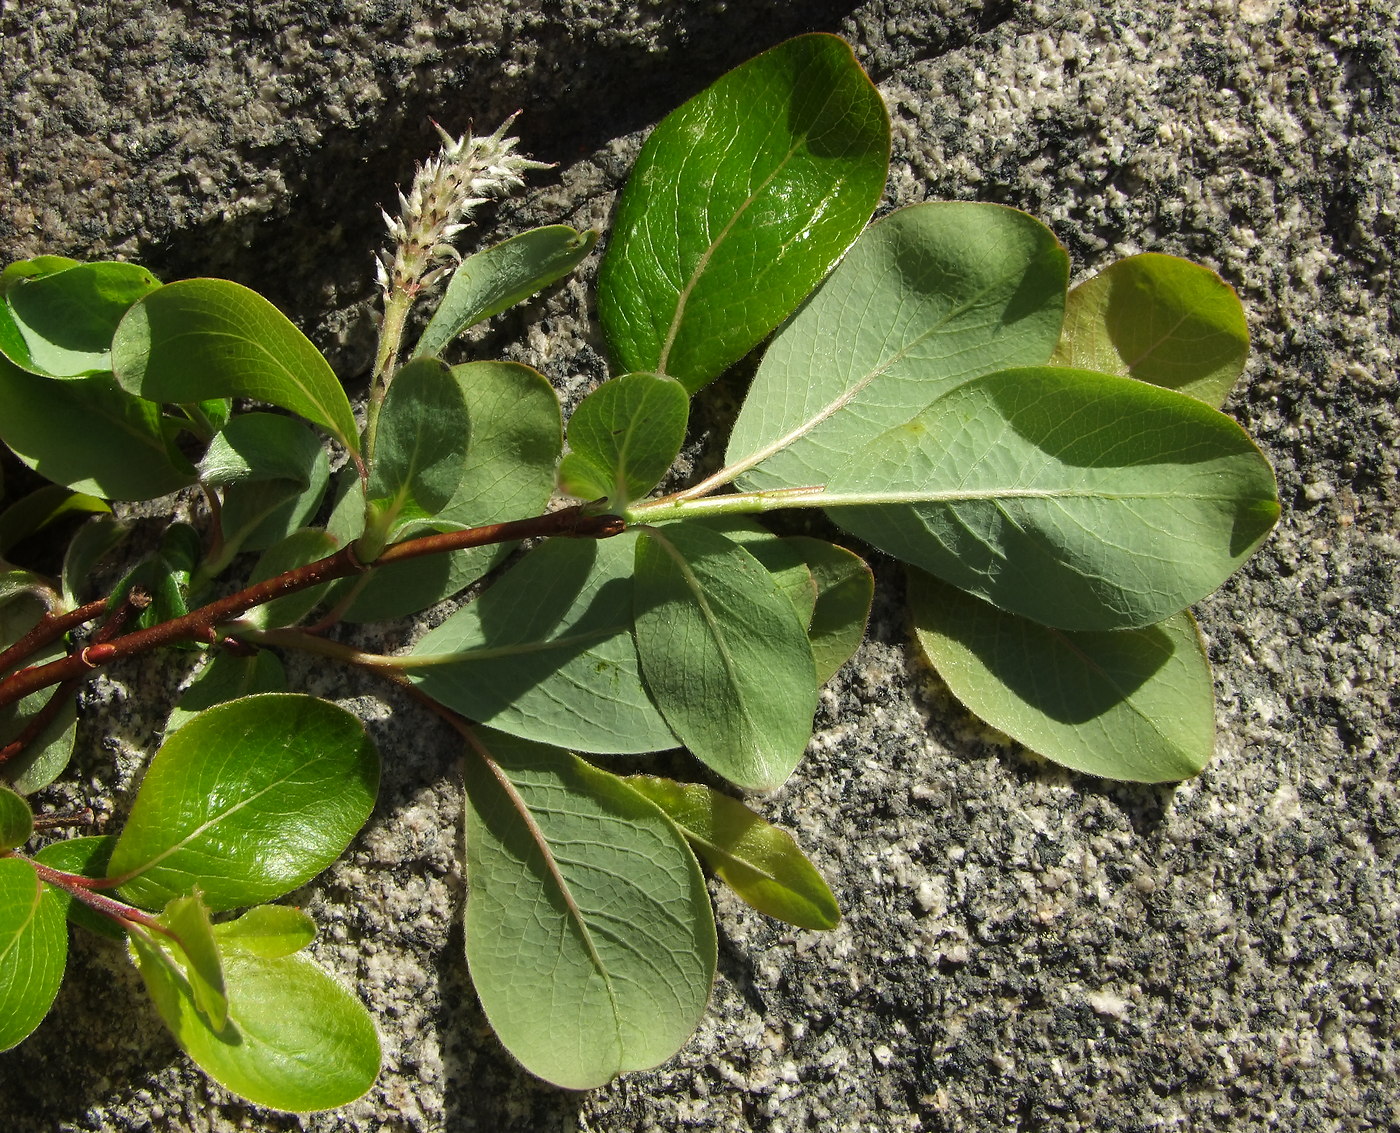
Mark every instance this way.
x=547 y=653
x=297 y=549
x=33 y=950
x=1080 y=500
x=508 y=474
x=294 y=1038
x=86 y=857
x=47 y=754
x=724 y=654
x=92 y=543
x=1133 y=704
x=421 y=444
x=259 y=447
x=16 y=820
x=247 y=802
x=785 y=566
x=269 y=931
x=89 y=435
x=41 y=508
x=927 y=298
x=203 y=338
x=227 y=676
x=67 y=318
x=623 y=437
x=741 y=201
x=760 y=862
x=845 y=589
x=188 y=919
x=1159 y=319
x=276 y=472
x=34 y=268
x=499 y=277
x=590 y=937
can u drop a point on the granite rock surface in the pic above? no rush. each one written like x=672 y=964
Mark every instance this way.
x=1022 y=948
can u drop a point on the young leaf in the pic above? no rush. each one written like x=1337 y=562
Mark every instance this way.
x=508 y=474
x=126 y=451
x=760 y=862
x=188 y=919
x=547 y=652
x=33 y=950
x=227 y=676
x=268 y=931
x=1159 y=319
x=67 y=318
x=928 y=297
x=294 y=1038
x=421 y=445
x=1133 y=704
x=499 y=277
x=1081 y=500
x=623 y=437
x=724 y=654
x=248 y=801
x=590 y=937
x=16 y=820
x=86 y=857
x=203 y=338
x=845 y=589
x=42 y=507
x=740 y=202
x=297 y=549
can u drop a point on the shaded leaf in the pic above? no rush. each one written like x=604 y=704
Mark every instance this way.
x=623 y=438
x=279 y=494
x=48 y=753
x=86 y=857
x=188 y=919
x=41 y=508
x=759 y=861
x=1132 y=704
x=92 y=543
x=259 y=447
x=33 y=950
x=227 y=676
x=297 y=549
x=1080 y=500
x=740 y=202
x=580 y=886
x=16 y=820
x=247 y=802
x=845 y=588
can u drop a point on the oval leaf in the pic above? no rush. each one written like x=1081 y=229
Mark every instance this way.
x=204 y=338
x=590 y=937
x=33 y=950
x=547 y=652
x=927 y=298
x=1159 y=319
x=725 y=656
x=297 y=549
x=499 y=277
x=1134 y=704
x=294 y=1038
x=248 y=801
x=845 y=589
x=16 y=820
x=740 y=202
x=1081 y=500
x=227 y=676
x=623 y=438
x=760 y=862
x=267 y=930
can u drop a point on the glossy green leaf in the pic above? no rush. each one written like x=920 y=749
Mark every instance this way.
x=188 y=919
x=724 y=654
x=760 y=862
x=16 y=820
x=511 y=455
x=740 y=202
x=623 y=438
x=294 y=1039
x=269 y=931
x=227 y=676
x=845 y=588
x=1132 y=704
x=499 y=277
x=927 y=298
x=41 y=508
x=67 y=318
x=203 y=338
x=86 y=857
x=248 y=801
x=590 y=937
x=33 y=950
x=421 y=444
x=1081 y=500
x=547 y=652
x=1159 y=319
x=297 y=549
x=46 y=755
x=126 y=450
x=34 y=268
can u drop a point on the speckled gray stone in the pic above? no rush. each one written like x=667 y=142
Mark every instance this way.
x=1022 y=948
